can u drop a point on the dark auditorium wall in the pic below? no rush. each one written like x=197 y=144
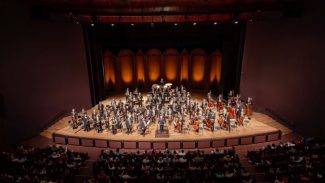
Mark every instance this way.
x=43 y=71
x=284 y=66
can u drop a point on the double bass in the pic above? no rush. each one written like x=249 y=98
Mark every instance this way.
x=208 y=123
x=222 y=122
x=196 y=126
x=177 y=125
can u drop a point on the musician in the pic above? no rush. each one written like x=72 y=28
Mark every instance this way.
x=100 y=108
x=127 y=93
x=119 y=122
x=74 y=119
x=86 y=123
x=94 y=116
x=228 y=121
x=161 y=123
x=170 y=113
x=211 y=118
x=241 y=118
x=182 y=121
x=162 y=82
x=98 y=124
x=142 y=125
x=128 y=123
x=114 y=125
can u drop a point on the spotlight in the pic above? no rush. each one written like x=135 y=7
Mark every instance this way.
x=251 y=19
x=236 y=22
x=175 y=24
x=132 y=24
x=215 y=23
x=77 y=22
x=194 y=23
x=112 y=25
x=93 y=21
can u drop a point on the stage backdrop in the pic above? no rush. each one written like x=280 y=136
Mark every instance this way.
x=196 y=70
x=203 y=57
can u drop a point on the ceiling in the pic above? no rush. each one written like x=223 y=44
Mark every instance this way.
x=136 y=11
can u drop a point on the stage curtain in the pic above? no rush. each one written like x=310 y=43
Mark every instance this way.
x=140 y=69
x=171 y=62
x=110 y=71
x=215 y=68
x=126 y=61
x=154 y=65
x=184 y=67
x=198 y=64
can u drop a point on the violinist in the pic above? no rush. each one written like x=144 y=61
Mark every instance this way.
x=86 y=122
x=128 y=123
x=114 y=126
x=74 y=119
x=143 y=125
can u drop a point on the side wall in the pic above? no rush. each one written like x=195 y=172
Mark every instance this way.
x=283 y=68
x=43 y=71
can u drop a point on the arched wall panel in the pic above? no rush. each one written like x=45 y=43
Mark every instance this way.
x=154 y=65
x=171 y=65
x=140 y=69
x=198 y=68
x=126 y=65
x=195 y=71
x=184 y=67
x=215 y=68
x=109 y=71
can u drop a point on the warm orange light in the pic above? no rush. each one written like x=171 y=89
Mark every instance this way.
x=184 y=66
x=219 y=62
x=126 y=68
x=171 y=63
x=139 y=60
x=215 y=69
x=198 y=68
x=154 y=59
x=109 y=68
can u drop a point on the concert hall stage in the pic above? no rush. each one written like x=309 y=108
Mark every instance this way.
x=256 y=131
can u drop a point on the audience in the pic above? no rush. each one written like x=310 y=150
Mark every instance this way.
x=303 y=161
x=29 y=164
x=169 y=166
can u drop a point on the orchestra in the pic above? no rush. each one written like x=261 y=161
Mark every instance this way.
x=168 y=108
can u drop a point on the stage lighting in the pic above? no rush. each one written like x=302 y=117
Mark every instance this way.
x=93 y=20
x=215 y=23
x=194 y=23
x=132 y=24
x=236 y=22
x=251 y=19
x=112 y=25
x=77 y=22
x=175 y=24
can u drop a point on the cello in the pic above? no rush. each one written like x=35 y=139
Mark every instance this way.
x=177 y=125
x=196 y=126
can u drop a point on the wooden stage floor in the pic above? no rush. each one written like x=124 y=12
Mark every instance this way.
x=261 y=128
